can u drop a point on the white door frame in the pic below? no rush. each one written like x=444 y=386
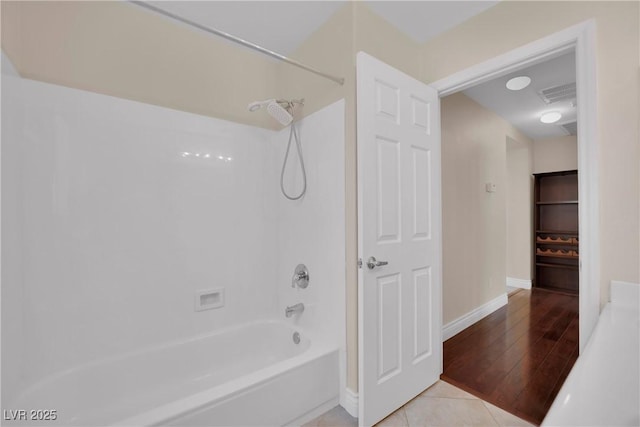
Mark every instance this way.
x=580 y=37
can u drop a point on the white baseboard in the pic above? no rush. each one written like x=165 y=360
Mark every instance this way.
x=463 y=322
x=518 y=283
x=349 y=401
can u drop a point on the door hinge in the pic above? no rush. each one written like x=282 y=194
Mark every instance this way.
x=359 y=262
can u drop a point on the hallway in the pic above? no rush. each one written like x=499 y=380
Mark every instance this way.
x=518 y=357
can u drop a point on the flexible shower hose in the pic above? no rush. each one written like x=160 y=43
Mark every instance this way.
x=293 y=134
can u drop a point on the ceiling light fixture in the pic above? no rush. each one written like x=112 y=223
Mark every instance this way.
x=518 y=83
x=550 y=117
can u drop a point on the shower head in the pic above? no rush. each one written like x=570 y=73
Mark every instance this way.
x=279 y=113
x=281 y=110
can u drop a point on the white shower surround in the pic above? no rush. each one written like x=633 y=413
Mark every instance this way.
x=128 y=209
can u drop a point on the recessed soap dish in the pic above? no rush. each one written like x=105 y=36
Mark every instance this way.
x=209 y=298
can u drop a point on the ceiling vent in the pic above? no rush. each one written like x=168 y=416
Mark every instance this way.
x=564 y=92
x=571 y=127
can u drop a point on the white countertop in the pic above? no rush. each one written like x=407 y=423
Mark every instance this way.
x=603 y=388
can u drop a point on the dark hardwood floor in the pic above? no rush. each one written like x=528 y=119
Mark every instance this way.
x=518 y=357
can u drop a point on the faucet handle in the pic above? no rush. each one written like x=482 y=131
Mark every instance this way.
x=300 y=277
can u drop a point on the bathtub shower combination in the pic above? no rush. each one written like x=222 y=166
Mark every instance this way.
x=160 y=277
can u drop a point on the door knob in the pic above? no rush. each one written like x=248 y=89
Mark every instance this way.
x=373 y=263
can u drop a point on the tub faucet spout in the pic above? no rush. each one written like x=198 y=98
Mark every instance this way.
x=293 y=309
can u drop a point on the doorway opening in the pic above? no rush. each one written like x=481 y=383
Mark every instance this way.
x=548 y=253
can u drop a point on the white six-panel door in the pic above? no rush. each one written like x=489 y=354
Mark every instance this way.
x=400 y=345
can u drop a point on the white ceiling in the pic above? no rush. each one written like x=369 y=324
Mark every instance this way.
x=423 y=20
x=523 y=108
x=282 y=26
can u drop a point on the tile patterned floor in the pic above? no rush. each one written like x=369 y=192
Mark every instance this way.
x=440 y=405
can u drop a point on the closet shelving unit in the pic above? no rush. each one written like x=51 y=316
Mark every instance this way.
x=556 y=238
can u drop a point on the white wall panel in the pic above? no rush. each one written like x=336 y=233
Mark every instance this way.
x=311 y=230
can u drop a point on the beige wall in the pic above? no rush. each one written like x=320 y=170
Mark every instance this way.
x=474 y=152
x=330 y=49
x=555 y=154
x=374 y=35
x=119 y=49
x=511 y=24
x=519 y=208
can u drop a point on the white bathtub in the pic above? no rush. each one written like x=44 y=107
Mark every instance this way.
x=253 y=374
x=603 y=387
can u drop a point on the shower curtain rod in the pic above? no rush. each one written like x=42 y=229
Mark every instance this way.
x=238 y=40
